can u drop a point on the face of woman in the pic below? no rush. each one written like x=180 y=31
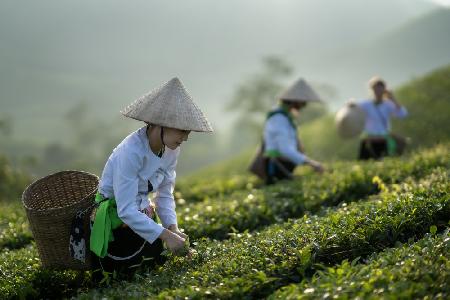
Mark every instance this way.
x=378 y=90
x=295 y=107
x=173 y=138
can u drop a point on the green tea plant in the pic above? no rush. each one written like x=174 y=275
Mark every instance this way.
x=414 y=196
x=249 y=210
x=419 y=270
x=211 y=185
x=22 y=277
x=14 y=230
x=255 y=265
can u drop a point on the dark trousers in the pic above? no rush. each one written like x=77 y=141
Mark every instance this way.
x=372 y=149
x=275 y=172
x=126 y=243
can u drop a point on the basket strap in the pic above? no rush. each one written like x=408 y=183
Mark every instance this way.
x=93 y=205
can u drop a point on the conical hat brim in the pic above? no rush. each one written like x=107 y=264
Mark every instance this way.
x=350 y=121
x=300 y=91
x=170 y=105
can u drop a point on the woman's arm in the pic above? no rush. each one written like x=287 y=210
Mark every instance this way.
x=125 y=185
x=164 y=200
x=396 y=108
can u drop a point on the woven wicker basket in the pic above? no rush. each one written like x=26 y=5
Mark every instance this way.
x=51 y=204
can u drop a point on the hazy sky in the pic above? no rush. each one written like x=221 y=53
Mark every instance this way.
x=442 y=2
x=56 y=53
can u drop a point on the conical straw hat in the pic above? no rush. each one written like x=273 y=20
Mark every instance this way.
x=300 y=91
x=170 y=105
x=350 y=121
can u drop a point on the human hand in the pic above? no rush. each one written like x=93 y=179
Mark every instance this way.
x=174 y=228
x=388 y=94
x=149 y=211
x=351 y=103
x=173 y=242
x=317 y=167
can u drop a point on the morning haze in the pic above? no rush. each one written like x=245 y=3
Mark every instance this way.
x=69 y=67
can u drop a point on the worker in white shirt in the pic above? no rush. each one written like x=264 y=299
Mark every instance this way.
x=124 y=231
x=282 y=148
x=377 y=139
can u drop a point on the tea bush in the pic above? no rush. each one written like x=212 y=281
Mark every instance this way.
x=255 y=265
x=14 y=230
x=249 y=210
x=398 y=201
x=22 y=277
x=412 y=271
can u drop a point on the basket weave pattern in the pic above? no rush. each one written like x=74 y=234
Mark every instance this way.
x=51 y=203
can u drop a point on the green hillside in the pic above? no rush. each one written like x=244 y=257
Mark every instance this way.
x=415 y=48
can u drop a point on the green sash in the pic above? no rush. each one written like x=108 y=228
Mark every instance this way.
x=390 y=142
x=106 y=220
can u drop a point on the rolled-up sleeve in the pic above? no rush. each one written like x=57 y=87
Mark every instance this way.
x=278 y=128
x=164 y=200
x=125 y=185
x=398 y=112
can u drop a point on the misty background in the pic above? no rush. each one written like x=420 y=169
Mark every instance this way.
x=68 y=67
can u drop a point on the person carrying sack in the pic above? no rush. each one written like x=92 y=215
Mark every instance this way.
x=377 y=139
x=124 y=230
x=282 y=150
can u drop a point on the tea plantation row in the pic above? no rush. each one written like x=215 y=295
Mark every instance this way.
x=259 y=263
x=412 y=271
x=255 y=208
x=249 y=210
x=255 y=265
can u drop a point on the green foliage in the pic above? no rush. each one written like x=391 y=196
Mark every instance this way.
x=22 y=277
x=254 y=265
x=428 y=101
x=413 y=271
x=14 y=228
x=409 y=198
x=249 y=209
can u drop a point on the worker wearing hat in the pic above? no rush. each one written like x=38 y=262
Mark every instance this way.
x=378 y=141
x=124 y=229
x=282 y=147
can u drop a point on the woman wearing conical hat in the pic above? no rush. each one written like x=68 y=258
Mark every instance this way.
x=281 y=144
x=124 y=230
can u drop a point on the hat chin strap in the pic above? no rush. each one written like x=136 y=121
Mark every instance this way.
x=162 y=140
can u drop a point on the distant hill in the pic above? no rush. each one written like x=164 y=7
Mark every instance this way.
x=415 y=48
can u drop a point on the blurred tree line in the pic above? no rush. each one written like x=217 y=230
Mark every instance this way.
x=88 y=141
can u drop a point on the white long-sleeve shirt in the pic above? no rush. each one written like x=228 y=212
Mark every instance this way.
x=378 y=116
x=279 y=135
x=125 y=177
